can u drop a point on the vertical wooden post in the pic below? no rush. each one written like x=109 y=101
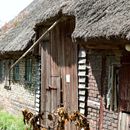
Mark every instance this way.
x=103 y=72
x=43 y=78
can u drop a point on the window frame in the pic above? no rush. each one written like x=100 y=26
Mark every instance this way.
x=16 y=76
x=112 y=96
x=28 y=70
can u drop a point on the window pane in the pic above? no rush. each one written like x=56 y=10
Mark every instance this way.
x=16 y=72
x=28 y=70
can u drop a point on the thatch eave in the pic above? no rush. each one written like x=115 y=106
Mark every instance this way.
x=96 y=18
x=93 y=19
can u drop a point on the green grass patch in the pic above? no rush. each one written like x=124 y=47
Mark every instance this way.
x=10 y=122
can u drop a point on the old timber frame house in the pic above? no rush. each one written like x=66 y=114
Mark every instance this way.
x=85 y=58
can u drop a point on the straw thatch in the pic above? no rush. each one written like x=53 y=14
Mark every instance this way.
x=102 y=18
x=94 y=19
x=19 y=36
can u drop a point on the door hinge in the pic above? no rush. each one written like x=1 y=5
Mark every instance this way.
x=51 y=88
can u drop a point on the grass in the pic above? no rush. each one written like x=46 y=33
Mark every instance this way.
x=10 y=122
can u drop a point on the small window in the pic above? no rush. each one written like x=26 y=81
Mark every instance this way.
x=1 y=69
x=16 y=72
x=28 y=70
x=113 y=88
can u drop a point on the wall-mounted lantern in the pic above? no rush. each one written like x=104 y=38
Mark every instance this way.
x=127 y=47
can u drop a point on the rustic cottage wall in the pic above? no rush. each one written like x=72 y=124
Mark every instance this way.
x=21 y=95
x=94 y=75
x=110 y=118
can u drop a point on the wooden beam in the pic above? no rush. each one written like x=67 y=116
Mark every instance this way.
x=36 y=43
x=103 y=73
x=102 y=47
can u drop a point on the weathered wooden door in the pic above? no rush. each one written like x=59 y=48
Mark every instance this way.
x=50 y=83
x=51 y=79
x=124 y=95
x=124 y=80
x=59 y=70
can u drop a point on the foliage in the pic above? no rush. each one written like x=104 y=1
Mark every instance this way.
x=58 y=119
x=10 y=122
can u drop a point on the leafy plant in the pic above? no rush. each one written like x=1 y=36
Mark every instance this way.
x=10 y=122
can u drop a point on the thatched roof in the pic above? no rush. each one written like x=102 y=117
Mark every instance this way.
x=19 y=36
x=102 y=18
x=94 y=18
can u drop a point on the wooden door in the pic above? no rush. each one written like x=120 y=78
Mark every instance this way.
x=125 y=88
x=124 y=80
x=124 y=121
x=50 y=82
x=59 y=71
